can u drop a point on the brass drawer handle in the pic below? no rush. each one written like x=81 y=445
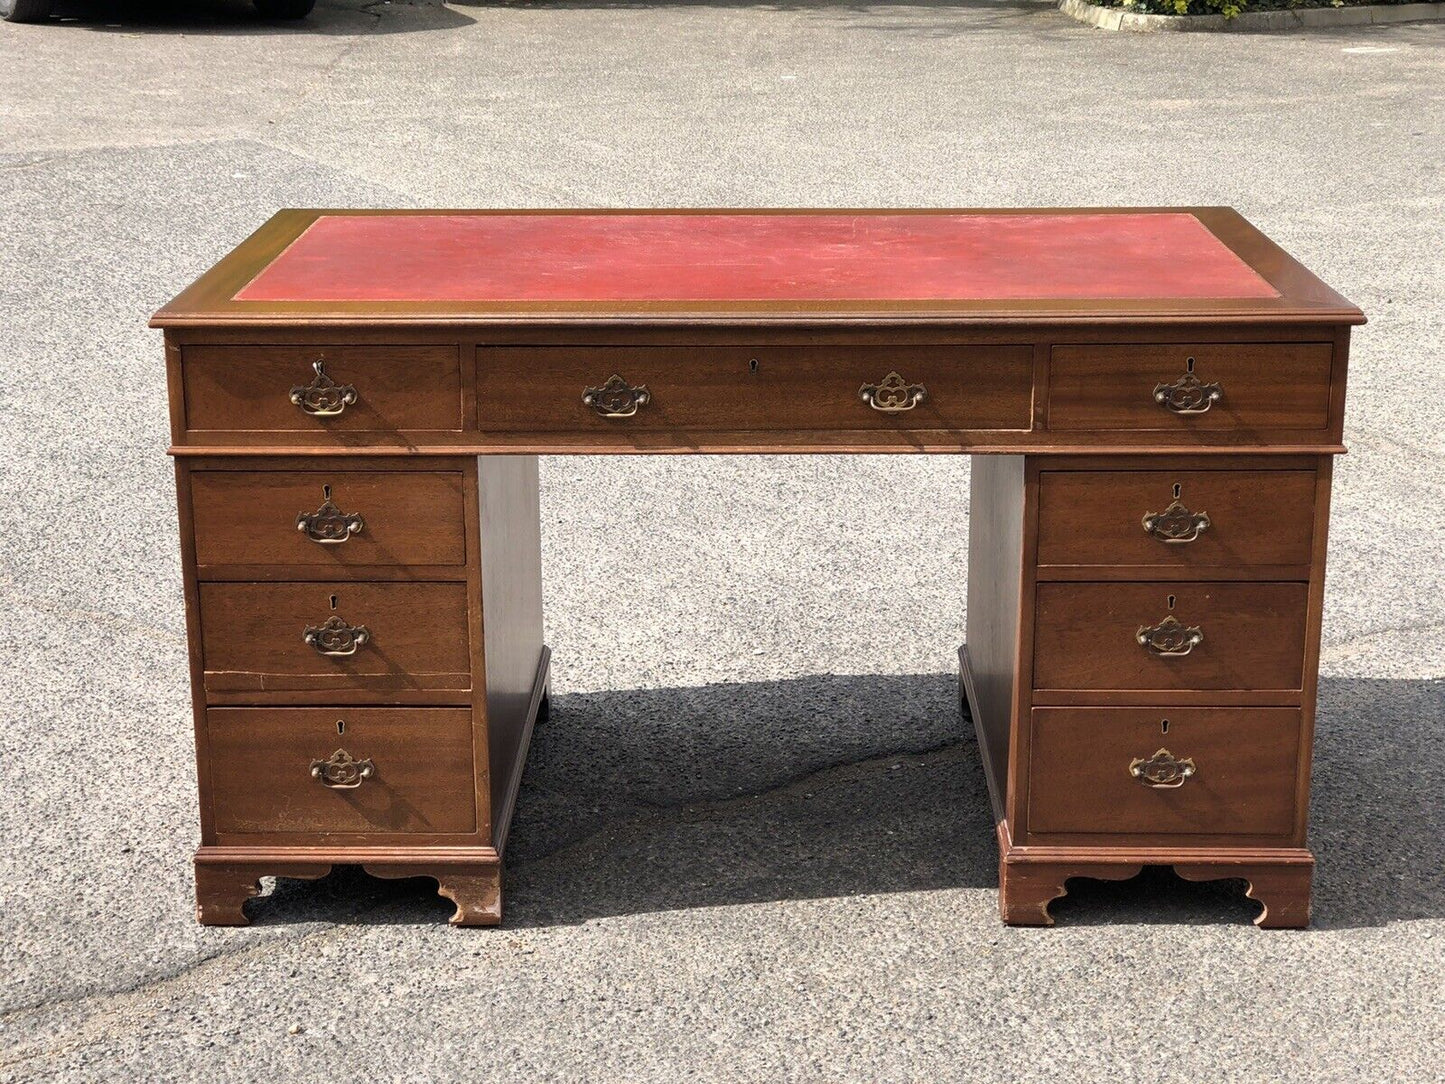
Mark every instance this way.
x=336 y=638
x=342 y=771
x=1175 y=524
x=1169 y=639
x=1187 y=395
x=617 y=398
x=329 y=525
x=323 y=397
x=1163 y=771
x=893 y=395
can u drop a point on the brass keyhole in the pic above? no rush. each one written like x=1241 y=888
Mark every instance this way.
x=1171 y=602
x=326 y=492
x=1178 y=489
x=1189 y=365
x=333 y=602
x=1164 y=726
x=752 y=365
x=341 y=726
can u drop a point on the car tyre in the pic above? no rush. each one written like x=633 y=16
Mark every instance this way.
x=25 y=11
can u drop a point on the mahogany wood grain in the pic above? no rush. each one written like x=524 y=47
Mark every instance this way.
x=1244 y=782
x=509 y=531
x=1033 y=873
x=767 y=388
x=249 y=517
x=1025 y=891
x=261 y=778
x=995 y=579
x=1266 y=386
x=1085 y=637
x=621 y=441
x=251 y=637
x=1256 y=517
x=469 y=876
x=1300 y=296
x=1059 y=389
x=400 y=388
x=223 y=888
x=1282 y=888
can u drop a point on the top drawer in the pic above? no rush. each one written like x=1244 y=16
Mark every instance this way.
x=737 y=388
x=359 y=389
x=1181 y=387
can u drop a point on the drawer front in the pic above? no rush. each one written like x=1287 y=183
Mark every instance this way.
x=1260 y=385
x=254 y=636
x=1122 y=771
x=1181 y=518
x=1087 y=636
x=748 y=388
x=326 y=770
x=328 y=518
x=392 y=388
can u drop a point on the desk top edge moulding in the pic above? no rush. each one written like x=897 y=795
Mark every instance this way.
x=333 y=267
x=1152 y=399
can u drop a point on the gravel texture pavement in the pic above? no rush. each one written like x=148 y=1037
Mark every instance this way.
x=753 y=843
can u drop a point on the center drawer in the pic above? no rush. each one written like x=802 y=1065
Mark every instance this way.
x=342 y=770
x=328 y=518
x=1171 y=771
x=1177 y=636
x=721 y=388
x=275 y=637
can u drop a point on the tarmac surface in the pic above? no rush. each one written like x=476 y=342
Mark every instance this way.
x=753 y=843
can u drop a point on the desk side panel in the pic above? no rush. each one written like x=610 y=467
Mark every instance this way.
x=995 y=580
x=511 y=611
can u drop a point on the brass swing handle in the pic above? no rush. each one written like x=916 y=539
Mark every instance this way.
x=342 y=771
x=1175 y=524
x=1170 y=638
x=1163 y=770
x=617 y=398
x=336 y=638
x=1187 y=395
x=323 y=397
x=329 y=525
x=893 y=394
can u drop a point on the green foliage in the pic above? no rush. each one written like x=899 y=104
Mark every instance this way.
x=1228 y=8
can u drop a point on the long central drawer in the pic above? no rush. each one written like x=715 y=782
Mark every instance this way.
x=566 y=389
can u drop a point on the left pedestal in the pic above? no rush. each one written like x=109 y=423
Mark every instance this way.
x=366 y=664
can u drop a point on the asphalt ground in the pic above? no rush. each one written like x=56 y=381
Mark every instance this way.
x=753 y=843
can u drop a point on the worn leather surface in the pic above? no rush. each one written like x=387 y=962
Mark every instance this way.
x=741 y=257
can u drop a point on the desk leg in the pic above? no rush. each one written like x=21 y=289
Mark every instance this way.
x=224 y=885
x=1283 y=889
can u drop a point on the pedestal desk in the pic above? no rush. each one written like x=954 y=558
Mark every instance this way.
x=1151 y=398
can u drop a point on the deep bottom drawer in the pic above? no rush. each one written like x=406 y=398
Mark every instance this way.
x=1090 y=770
x=342 y=770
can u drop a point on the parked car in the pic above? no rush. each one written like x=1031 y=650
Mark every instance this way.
x=37 y=11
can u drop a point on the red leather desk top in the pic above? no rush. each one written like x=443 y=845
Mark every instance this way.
x=876 y=256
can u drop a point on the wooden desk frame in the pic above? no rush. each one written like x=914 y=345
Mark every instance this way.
x=500 y=573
